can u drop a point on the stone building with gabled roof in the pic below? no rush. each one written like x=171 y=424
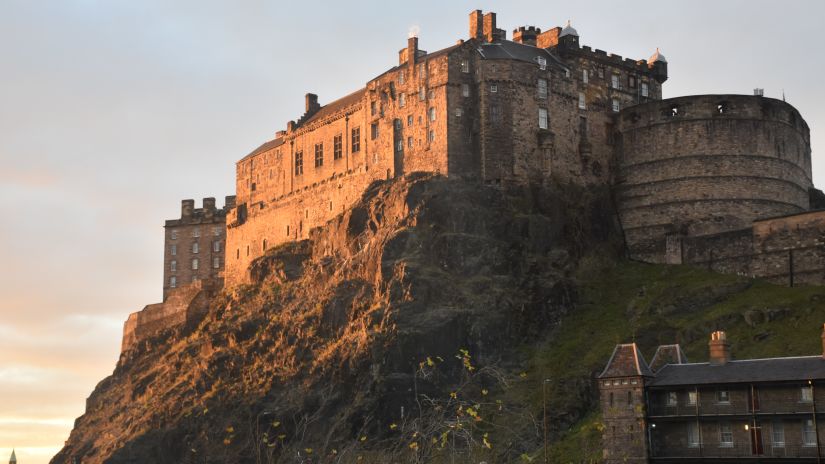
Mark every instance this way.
x=722 y=410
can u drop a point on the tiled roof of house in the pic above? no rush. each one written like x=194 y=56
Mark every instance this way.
x=626 y=360
x=507 y=49
x=800 y=368
x=667 y=354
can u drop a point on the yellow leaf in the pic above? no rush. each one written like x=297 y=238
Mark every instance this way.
x=230 y=429
x=523 y=375
x=414 y=445
x=334 y=451
x=364 y=438
x=281 y=436
x=276 y=424
x=453 y=395
x=308 y=450
x=393 y=426
x=484 y=391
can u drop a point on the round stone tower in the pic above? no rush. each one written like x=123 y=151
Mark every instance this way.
x=706 y=164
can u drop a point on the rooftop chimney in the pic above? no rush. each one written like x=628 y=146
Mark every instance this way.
x=229 y=202
x=209 y=207
x=311 y=103
x=476 y=25
x=186 y=208
x=719 y=348
x=489 y=27
x=412 y=52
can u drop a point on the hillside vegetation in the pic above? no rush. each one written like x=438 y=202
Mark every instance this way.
x=419 y=326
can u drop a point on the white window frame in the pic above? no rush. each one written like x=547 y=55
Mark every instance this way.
x=216 y=246
x=725 y=435
x=582 y=101
x=672 y=399
x=493 y=88
x=723 y=396
x=402 y=100
x=195 y=264
x=431 y=136
x=409 y=120
x=616 y=105
x=645 y=89
x=465 y=66
x=616 y=81
x=778 y=434
x=543 y=119
x=173 y=235
x=806 y=394
x=399 y=146
x=422 y=93
x=585 y=76
x=173 y=250
x=173 y=266
x=693 y=440
x=542 y=88
x=216 y=262
x=196 y=232
x=691 y=398
x=808 y=433
x=409 y=142
x=196 y=247
x=431 y=113
x=465 y=90
x=173 y=282
x=542 y=62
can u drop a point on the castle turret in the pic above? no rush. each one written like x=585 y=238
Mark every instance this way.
x=13 y=458
x=209 y=207
x=569 y=37
x=526 y=35
x=658 y=64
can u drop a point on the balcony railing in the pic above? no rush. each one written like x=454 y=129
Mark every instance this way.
x=736 y=451
x=681 y=410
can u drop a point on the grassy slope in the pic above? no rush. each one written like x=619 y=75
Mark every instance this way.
x=653 y=304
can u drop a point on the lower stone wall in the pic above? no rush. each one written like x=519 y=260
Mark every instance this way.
x=787 y=250
x=182 y=305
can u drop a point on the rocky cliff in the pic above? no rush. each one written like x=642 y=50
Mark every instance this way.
x=420 y=326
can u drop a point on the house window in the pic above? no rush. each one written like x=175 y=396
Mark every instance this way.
x=409 y=142
x=319 y=155
x=465 y=66
x=356 y=139
x=399 y=146
x=542 y=62
x=778 y=433
x=495 y=114
x=725 y=435
x=338 y=147
x=402 y=100
x=615 y=82
x=459 y=112
x=493 y=88
x=431 y=112
x=195 y=264
x=373 y=109
x=173 y=250
x=173 y=282
x=216 y=246
x=691 y=398
x=196 y=232
x=409 y=121
x=723 y=396
x=693 y=435
x=616 y=105
x=216 y=262
x=542 y=118
x=401 y=76
x=808 y=433
x=806 y=394
x=196 y=247
x=585 y=76
x=173 y=266
x=542 y=88
x=631 y=82
x=582 y=102
x=645 y=91
x=216 y=231
x=422 y=70
x=431 y=136
x=611 y=399
x=465 y=90
x=374 y=130
x=672 y=399
x=299 y=163
x=421 y=93
x=174 y=235
x=629 y=397
x=601 y=73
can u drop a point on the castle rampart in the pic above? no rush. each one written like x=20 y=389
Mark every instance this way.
x=704 y=164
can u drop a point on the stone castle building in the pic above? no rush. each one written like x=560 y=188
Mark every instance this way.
x=719 y=181
x=722 y=410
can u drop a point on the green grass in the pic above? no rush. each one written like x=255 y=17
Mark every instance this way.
x=652 y=305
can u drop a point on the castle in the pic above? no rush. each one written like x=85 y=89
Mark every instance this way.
x=721 y=181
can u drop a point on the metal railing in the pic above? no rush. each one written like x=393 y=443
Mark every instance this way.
x=772 y=408
x=735 y=451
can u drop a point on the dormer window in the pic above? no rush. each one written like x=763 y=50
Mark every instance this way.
x=542 y=62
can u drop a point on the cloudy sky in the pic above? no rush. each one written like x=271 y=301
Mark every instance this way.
x=112 y=111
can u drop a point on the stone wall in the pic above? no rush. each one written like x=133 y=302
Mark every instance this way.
x=704 y=164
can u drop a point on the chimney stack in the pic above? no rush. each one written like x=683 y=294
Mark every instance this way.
x=489 y=26
x=186 y=208
x=311 y=101
x=476 y=25
x=719 y=348
x=229 y=202
x=412 y=52
x=209 y=207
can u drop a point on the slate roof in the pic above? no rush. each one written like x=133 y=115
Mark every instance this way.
x=667 y=354
x=509 y=50
x=265 y=147
x=334 y=106
x=626 y=360
x=800 y=368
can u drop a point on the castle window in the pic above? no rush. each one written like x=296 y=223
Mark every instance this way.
x=808 y=433
x=421 y=93
x=631 y=81
x=629 y=398
x=585 y=76
x=459 y=112
x=806 y=394
x=465 y=90
x=672 y=399
x=645 y=90
x=542 y=118
x=196 y=247
x=299 y=163
x=374 y=130
x=430 y=94
x=397 y=124
x=493 y=88
x=495 y=114
x=409 y=142
x=173 y=266
x=319 y=155
x=582 y=102
x=723 y=396
x=422 y=70
x=216 y=262
x=691 y=399
x=216 y=231
x=399 y=146
x=238 y=253
x=247 y=250
x=616 y=105
x=674 y=111
x=287 y=231
x=601 y=73
x=401 y=76
x=542 y=88
x=337 y=147
x=583 y=134
x=778 y=434
x=542 y=62
x=216 y=246
x=725 y=435
x=409 y=120
x=431 y=112
x=173 y=282
x=402 y=100
x=196 y=232
x=615 y=82
x=465 y=66
x=254 y=186
x=195 y=264
x=174 y=235
x=373 y=108
x=610 y=401
x=263 y=245
x=431 y=136
x=356 y=139
x=693 y=435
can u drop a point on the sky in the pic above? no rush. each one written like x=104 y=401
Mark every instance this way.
x=113 y=111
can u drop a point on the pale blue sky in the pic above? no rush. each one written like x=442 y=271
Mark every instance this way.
x=113 y=111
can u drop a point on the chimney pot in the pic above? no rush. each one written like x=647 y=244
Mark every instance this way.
x=186 y=208
x=719 y=349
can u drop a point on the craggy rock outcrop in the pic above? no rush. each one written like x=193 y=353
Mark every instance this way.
x=382 y=335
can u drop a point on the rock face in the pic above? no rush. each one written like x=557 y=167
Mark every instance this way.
x=361 y=340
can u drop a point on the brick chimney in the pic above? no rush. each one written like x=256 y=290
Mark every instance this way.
x=412 y=52
x=719 y=348
x=489 y=26
x=186 y=208
x=209 y=207
x=311 y=103
x=229 y=202
x=476 y=25
x=549 y=38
